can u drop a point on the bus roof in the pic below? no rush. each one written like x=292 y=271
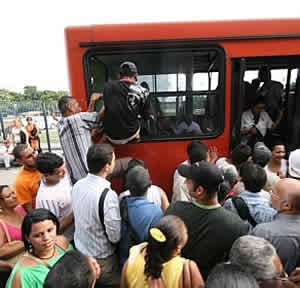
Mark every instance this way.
x=205 y=30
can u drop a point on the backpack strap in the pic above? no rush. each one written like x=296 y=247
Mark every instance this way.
x=101 y=209
x=243 y=210
x=132 y=237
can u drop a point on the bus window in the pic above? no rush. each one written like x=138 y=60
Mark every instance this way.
x=250 y=75
x=201 y=81
x=186 y=88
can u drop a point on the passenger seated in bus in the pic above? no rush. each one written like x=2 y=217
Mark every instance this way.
x=165 y=126
x=188 y=126
x=271 y=90
x=256 y=122
x=124 y=102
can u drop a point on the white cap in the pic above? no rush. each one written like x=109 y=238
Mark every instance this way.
x=294 y=164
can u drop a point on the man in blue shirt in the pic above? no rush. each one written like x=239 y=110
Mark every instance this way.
x=254 y=178
x=137 y=212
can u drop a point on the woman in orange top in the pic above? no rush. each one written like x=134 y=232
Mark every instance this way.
x=33 y=132
x=158 y=263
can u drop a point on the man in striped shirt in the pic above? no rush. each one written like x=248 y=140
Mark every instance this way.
x=74 y=133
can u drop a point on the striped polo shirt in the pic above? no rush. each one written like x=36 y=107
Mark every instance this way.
x=75 y=139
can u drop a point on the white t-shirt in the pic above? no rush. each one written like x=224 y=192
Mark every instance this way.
x=180 y=191
x=56 y=198
x=153 y=195
x=264 y=122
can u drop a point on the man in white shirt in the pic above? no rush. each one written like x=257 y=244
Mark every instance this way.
x=97 y=214
x=55 y=189
x=197 y=151
x=255 y=123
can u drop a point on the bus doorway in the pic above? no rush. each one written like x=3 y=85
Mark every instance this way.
x=246 y=86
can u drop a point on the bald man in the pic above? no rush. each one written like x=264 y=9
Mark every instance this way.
x=284 y=231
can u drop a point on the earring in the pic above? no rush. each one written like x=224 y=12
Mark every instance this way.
x=30 y=247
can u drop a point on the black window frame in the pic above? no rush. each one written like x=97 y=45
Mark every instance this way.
x=165 y=46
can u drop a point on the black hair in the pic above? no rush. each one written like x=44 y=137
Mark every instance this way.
x=138 y=181
x=98 y=156
x=132 y=163
x=36 y=216
x=223 y=191
x=276 y=142
x=228 y=275
x=258 y=100
x=197 y=151
x=63 y=103
x=136 y=162
x=47 y=162
x=160 y=252
x=19 y=148
x=240 y=154
x=253 y=176
x=71 y=271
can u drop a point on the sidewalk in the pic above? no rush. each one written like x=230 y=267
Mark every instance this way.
x=7 y=176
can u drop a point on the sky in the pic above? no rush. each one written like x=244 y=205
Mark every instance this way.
x=32 y=32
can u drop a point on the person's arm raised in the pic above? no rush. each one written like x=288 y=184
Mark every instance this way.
x=93 y=100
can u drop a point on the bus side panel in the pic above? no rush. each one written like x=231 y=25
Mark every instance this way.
x=75 y=65
x=264 y=47
x=162 y=158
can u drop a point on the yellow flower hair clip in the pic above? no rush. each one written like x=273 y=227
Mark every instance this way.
x=158 y=235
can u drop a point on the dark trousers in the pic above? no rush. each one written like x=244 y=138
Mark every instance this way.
x=110 y=272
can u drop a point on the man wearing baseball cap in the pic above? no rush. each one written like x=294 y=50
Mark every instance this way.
x=125 y=103
x=212 y=230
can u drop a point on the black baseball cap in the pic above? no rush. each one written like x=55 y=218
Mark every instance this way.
x=208 y=175
x=128 y=68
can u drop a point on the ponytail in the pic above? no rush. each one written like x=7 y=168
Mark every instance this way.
x=165 y=236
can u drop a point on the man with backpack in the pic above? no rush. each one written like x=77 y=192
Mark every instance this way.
x=137 y=212
x=250 y=205
x=97 y=214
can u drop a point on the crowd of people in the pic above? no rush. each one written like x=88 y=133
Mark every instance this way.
x=19 y=134
x=232 y=221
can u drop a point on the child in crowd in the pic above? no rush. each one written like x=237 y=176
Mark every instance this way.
x=54 y=192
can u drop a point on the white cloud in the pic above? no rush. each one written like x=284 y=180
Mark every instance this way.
x=32 y=32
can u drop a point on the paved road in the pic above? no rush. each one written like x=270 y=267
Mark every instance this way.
x=7 y=176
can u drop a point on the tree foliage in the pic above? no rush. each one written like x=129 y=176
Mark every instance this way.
x=31 y=93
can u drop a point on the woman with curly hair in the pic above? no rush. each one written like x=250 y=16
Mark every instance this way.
x=157 y=263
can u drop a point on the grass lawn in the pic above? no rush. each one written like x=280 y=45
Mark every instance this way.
x=54 y=140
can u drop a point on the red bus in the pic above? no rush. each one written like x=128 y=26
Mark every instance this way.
x=197 y=70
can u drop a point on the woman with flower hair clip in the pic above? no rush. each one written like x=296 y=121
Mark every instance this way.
x=157 y=263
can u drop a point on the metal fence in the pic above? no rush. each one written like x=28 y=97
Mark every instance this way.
x=44 y=115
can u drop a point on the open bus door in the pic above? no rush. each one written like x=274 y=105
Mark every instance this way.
x=237 y=99
x=293 y=110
